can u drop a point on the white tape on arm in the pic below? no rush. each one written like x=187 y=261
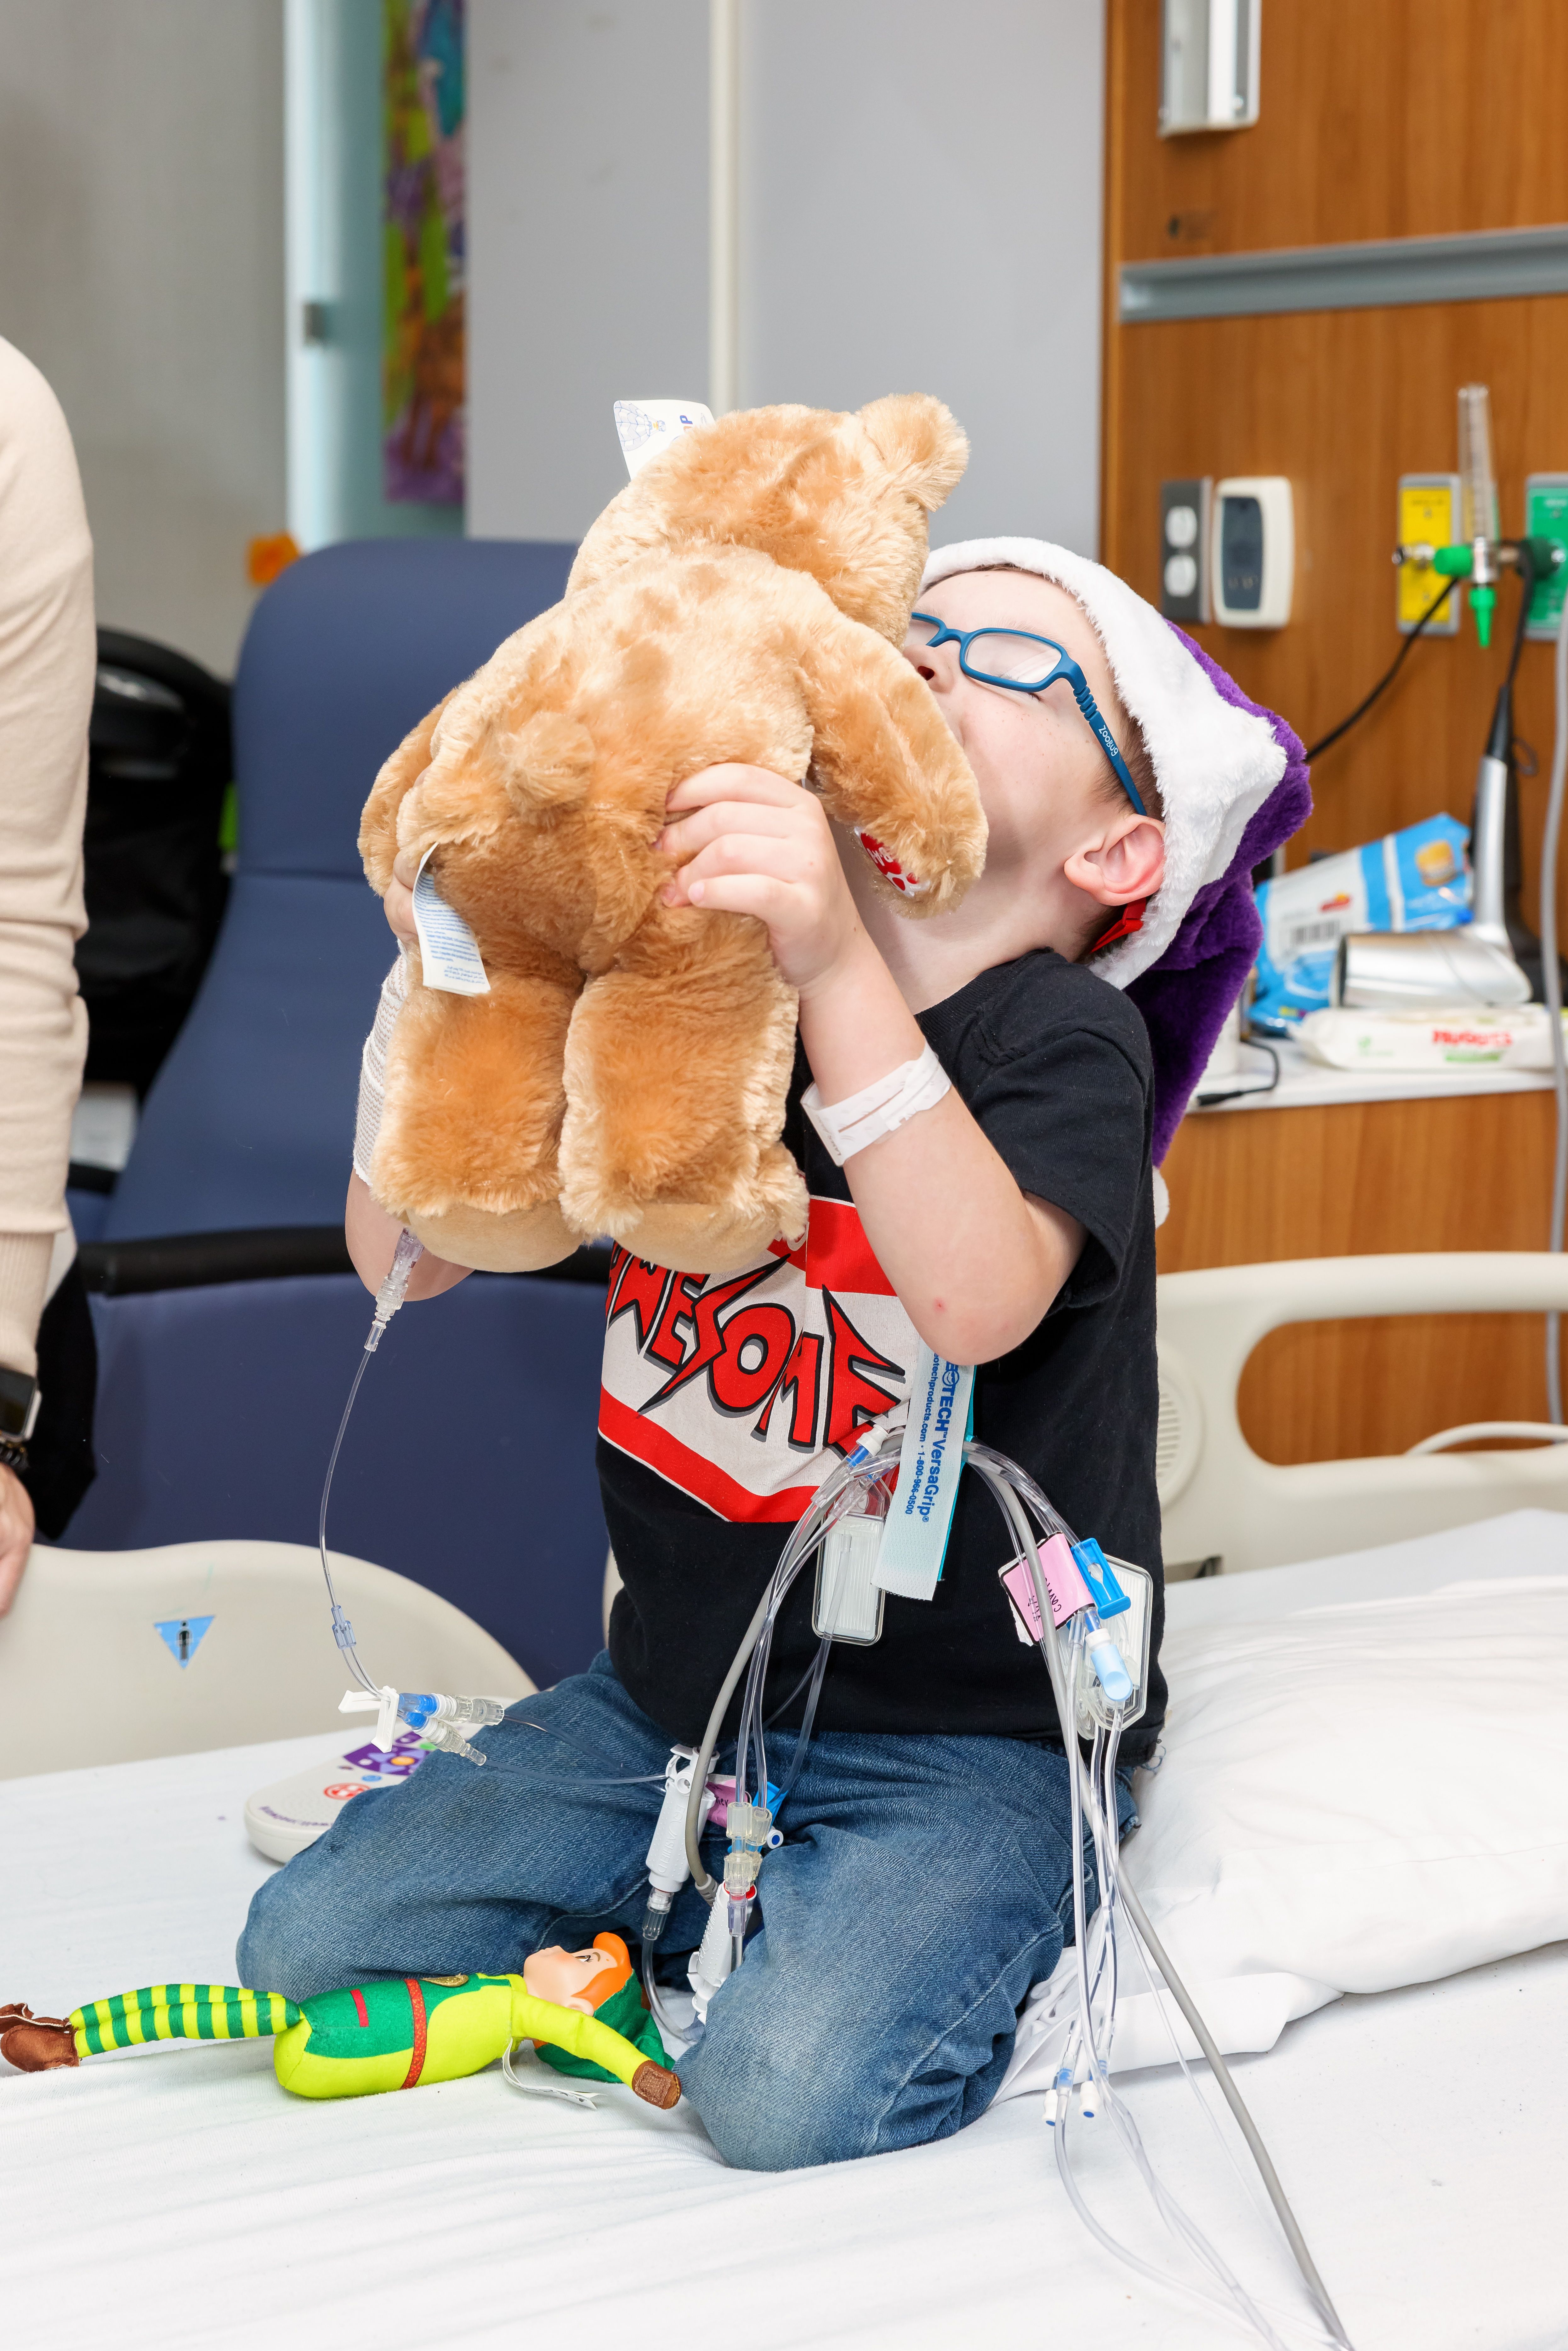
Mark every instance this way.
x=373 y=1067
x=877 y=1110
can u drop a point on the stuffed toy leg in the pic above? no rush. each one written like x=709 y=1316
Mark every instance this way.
x=344 y=2045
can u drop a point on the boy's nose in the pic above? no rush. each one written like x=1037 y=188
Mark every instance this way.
x=929 y=665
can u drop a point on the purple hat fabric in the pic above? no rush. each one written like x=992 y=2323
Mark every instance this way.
x=1185 y=996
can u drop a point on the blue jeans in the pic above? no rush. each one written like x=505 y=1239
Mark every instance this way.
x=924 y=1884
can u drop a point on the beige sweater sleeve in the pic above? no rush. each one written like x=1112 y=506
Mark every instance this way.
x=47 y=660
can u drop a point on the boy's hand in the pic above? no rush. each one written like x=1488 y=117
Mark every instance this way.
x=748 y=843
x=398 y=903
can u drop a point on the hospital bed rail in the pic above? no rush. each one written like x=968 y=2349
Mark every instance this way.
x=1225 y=1509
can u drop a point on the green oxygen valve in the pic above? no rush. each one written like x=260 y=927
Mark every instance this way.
x=1459 y=562
x=1537 y=558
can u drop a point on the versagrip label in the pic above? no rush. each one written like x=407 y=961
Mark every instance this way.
x=920 y=1517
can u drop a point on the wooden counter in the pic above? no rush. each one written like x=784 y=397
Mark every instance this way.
x=1358 y=1179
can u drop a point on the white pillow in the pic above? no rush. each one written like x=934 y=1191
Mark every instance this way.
x=1352 y=1798
x=1365 y=1795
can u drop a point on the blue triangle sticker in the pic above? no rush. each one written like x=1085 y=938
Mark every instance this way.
x=181 y=1635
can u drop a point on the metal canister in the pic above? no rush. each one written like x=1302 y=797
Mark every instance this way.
x=1412 y=971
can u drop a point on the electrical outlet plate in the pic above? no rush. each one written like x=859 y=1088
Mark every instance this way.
x=1184 y=549
x=1428 y=514
x=1252 y=552
x=1546 y=516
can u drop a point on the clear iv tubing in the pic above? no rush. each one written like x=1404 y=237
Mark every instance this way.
x=389 y=1298
x=1170 y=2211
x=1009 y=1483
x=433 y=1715
x=342 y=1631
x=835 y=1500
x=1013 y=1489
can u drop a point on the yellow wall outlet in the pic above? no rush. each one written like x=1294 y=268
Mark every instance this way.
x=1428 y=514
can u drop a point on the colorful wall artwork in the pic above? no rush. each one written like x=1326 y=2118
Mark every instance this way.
x=425 y=244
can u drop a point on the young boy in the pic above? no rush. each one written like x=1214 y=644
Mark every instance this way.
x=1010 y=1225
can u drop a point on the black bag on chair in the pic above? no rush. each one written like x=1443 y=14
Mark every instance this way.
x=159 y=761
x=61 y=1464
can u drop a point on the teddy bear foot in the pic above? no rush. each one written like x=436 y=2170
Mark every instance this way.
x=517 y=1240
x=696 y=1239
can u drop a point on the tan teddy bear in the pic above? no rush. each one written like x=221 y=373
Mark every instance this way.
x=741 y=599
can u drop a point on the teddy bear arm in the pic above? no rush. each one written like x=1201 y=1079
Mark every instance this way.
x=887 y=765
x=467 y=1151
x=401 y=771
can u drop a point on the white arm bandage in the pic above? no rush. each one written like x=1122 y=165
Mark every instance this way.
x=876 y=1110
x=373 y=1067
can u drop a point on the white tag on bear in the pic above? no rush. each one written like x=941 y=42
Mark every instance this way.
x=648 y=427
x=448 y=951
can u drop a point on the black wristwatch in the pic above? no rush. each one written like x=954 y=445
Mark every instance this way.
x=18 y=1412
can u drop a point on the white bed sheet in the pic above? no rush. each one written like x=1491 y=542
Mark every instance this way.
x=177 y=2195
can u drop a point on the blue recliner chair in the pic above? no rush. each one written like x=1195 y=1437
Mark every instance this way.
x=229 y=1327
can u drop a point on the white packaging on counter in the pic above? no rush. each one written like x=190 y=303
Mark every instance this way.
x=1344 y=1039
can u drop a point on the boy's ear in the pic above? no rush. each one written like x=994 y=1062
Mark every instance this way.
x=1129 y=864
x=920 y=442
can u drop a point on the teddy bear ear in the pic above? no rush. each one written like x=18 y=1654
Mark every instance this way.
x=921 y=440
x=546 y=762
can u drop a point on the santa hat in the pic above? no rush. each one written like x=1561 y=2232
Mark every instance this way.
x=1233 y=784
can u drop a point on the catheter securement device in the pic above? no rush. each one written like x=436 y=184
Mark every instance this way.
x=440 y=1721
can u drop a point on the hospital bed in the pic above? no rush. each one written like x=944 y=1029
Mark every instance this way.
x=1420 y=2130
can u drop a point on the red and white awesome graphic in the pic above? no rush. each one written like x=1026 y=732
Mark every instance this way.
x=742 y=1389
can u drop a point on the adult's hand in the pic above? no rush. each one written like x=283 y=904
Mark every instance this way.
x=16 y=1534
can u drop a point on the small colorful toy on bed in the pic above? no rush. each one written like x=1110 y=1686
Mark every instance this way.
x=347 y=2044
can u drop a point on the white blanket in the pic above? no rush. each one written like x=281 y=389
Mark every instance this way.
x=177 y=2197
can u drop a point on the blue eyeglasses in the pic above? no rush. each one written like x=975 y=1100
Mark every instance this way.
x=1013 y=658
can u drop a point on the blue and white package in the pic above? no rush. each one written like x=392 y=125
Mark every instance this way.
x=1417 y=880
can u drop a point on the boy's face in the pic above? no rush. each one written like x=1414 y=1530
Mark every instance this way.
x=1044 y=780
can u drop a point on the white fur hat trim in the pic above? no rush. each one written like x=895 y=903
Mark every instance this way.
x=1216 y=765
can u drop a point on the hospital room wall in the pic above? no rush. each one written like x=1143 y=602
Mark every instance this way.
x=1383 y=121
x=920 y=193
x=141 y=270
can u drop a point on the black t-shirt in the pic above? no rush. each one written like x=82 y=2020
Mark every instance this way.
x=727 y=1400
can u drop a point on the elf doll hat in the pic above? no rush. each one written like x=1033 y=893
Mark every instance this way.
x=1233 y=781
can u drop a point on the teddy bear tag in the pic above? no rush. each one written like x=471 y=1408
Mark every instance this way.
x=646 y=427
x=448 y=951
